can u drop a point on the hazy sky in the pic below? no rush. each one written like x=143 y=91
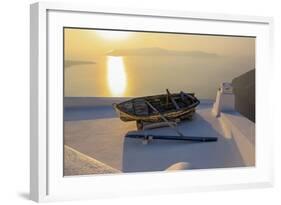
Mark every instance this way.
x=121 y=63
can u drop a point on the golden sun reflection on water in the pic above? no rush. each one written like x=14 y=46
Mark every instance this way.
x=116 y=76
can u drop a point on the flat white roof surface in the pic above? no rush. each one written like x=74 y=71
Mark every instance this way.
x=99 y=133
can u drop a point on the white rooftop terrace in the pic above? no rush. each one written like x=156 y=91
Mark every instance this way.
x=99 y=134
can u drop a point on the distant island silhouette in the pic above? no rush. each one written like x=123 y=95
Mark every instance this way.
x=156 y=51
x=69 y=63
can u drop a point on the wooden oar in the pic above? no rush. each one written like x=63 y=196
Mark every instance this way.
x=165 y=119
x=182 y=137
x=172 y=99
x=170 y=137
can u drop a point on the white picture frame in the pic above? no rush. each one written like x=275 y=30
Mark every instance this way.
x=46 y=151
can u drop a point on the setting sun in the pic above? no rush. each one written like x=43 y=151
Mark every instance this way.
x=113 y=35
x=116 y=76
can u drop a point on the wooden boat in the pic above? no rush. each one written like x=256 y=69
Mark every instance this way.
x=152 y=109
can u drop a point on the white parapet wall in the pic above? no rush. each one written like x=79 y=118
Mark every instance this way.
x=242 y=130
x=225 y=100
x=235 y=126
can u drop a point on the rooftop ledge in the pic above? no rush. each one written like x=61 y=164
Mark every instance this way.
x=242 y=131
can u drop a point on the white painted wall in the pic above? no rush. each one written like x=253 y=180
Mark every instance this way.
x=242 y=131
x=225 y=100
x=14 y=101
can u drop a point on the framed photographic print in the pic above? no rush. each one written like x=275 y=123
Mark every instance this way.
x=128 y=102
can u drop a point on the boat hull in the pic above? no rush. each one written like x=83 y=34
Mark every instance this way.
x=171 y=115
